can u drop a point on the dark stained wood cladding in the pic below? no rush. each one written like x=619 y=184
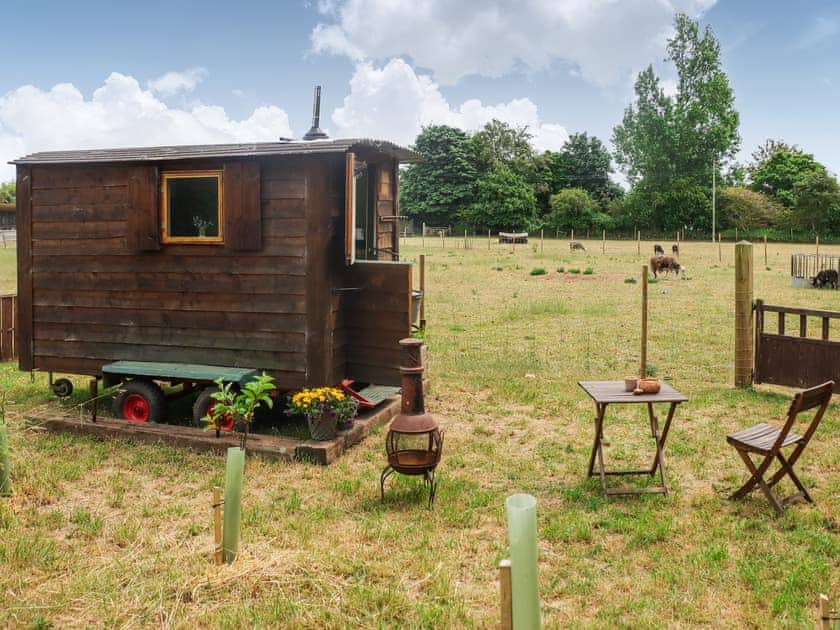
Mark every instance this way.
x=142 y=227
x=374 y=319
x=95 y=299
x=23 y=330
x=241 y=190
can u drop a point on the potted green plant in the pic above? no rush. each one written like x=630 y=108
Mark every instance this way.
x=240 y=404
x=326 y=409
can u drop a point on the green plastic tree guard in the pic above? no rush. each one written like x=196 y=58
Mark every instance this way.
x=233 y=503
x=5 y=470
x=522 y=537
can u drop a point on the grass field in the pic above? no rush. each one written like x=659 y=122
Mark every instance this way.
x=104 y=533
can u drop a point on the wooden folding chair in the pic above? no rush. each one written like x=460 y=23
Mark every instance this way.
x=768 y=442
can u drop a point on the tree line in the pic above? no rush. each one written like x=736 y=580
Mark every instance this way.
x=673 y=148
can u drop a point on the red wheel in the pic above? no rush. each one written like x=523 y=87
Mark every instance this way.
x=135 y=408
x=204 y=407
x=140 y=401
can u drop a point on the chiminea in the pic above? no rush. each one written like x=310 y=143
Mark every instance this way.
x=414 y=443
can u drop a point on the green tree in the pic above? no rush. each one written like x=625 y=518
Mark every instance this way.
x=817 y=203
x=779 y=170
x=574 y=208
x=503 y=201
x=441 y=186
x=746 y=209
x=499 y=144
x=667 y=145
x=7 y=192
x=584 y=163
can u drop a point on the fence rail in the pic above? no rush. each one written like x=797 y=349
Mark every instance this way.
x=8 y=327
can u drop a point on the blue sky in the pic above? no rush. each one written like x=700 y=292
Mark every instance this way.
x=93 y=74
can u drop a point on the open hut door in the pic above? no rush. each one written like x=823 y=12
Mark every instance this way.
x=377 y=314
x=370 y=228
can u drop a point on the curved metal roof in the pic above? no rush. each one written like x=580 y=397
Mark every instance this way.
x=198 y=151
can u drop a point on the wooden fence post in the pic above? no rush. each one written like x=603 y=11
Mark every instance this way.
x=603 y=241
x=423 y=290
x=743 y=314
x=217 y=524
x=818 y=244
x=488 y=240
x=643 y=371
x=423 y=236
x=542 y=238
x=720 y=253
x=638 y=242
x=505 y=599
x=765 y=251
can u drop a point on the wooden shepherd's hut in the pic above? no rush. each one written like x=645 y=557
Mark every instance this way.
x=279 y=256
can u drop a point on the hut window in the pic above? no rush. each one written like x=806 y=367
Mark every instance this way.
x=191 y=208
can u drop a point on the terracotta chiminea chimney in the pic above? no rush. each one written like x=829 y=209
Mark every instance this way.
x=315 y=132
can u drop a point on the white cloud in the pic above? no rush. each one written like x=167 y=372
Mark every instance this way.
x=171 y=83
x=603 y=40
x=394 y=102
x=119 y=114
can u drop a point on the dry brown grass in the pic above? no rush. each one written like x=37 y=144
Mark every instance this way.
x=112 y=533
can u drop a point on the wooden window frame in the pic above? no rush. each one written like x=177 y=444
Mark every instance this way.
x=165 y=237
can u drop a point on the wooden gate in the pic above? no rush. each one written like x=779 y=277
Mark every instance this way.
x=796 y=360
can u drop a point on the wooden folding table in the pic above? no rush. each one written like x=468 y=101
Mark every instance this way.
x=612 y=392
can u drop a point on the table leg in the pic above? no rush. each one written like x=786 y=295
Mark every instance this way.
x=659 y=458
x=596 y=445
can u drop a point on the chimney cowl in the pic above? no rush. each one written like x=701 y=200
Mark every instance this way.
x=315 y=132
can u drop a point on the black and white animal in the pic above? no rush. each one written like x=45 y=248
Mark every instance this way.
x=576 y=245
x=657 y=250
x=666 y=264
x=825 y=278
x=675 y=249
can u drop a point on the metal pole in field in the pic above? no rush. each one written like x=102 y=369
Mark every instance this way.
x=542 y=237
x=714 y=168
x=423 y=290
x=643 y=370
x=720 y=253
x=743 y=314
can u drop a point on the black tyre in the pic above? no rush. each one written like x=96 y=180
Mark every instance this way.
x=140 y=401
x=62 y=387
x=202 y=406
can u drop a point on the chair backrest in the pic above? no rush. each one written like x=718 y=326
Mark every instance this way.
x=818 y=397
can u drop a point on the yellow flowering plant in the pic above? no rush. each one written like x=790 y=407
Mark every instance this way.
x=323 y=402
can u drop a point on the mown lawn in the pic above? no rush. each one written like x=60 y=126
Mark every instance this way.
x=103 y=533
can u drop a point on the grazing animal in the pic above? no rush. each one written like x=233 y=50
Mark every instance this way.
x=665 y=264
x=826 y=277
x=575 y=245
x=657 y=250
x=675 y=249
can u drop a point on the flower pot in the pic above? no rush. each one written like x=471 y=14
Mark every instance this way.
x=345 y=425
x=322 y=428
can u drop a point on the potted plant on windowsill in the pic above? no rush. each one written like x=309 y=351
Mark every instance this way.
x=326 y=409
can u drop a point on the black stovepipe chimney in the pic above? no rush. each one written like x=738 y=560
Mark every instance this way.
x=315 y=132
